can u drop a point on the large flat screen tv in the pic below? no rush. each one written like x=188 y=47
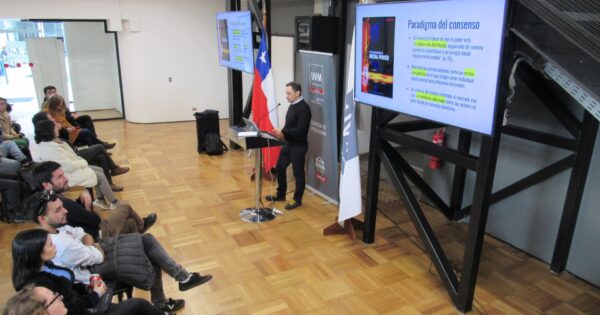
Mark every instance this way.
x=437 y=60
x=234 y=35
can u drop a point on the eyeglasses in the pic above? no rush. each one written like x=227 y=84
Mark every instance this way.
x=45 y=197
x=57 y=296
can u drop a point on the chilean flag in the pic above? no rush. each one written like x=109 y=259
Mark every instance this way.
x=263 y=101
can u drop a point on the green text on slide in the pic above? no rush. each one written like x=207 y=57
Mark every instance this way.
x=416 y=72
x=431 y=97
x=470 y=72
x=431 y=43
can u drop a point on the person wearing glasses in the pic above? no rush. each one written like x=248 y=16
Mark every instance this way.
x=134 y=259
x=49 y=176
x=35 y=301
x=32 y=252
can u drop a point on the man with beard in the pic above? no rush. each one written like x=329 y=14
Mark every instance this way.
x=295 y=145
x=49 y=176
x=133 y=259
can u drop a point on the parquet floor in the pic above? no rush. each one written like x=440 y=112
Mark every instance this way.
x=287 y=266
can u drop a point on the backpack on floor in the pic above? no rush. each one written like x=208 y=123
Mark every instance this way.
x=213 y=144
x=13 y=191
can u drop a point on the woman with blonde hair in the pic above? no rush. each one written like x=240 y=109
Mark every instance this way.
x=56 y=107
x=31 y=301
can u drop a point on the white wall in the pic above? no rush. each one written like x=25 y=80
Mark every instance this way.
x=176 y=40
x=282 y=64
x=48 y=56
x=158 y=39
x=92 y=66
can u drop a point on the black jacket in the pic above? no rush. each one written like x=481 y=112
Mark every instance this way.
x=75 y=296
x=297 y=123
x=78 y=216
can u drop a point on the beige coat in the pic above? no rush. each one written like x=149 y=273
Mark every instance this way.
x=7 y=132
x=76 y=168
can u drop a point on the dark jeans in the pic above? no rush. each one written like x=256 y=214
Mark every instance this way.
x=86 y=122
x=134 y=306
x=161 y=261
x=96 y=155
x=86 y=137
x=295 y=154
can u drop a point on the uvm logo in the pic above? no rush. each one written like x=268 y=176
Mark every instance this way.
x=320 y=164
x=316 y=76
x=320 y=169
x=316 y=79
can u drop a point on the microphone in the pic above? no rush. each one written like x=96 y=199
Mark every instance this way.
x=265 y=115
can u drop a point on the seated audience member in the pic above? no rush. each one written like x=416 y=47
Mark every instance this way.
x=95 y=154
x=51 y=148
x=56 y=107
x=8 y=133
x=49 y=177
x=63 y=134
x=8 y=165
x=84 y=121
x=34 y=301
x=15 y=126
x=32 y=253
x=136 y=264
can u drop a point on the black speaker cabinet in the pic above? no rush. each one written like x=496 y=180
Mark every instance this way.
x=317 y=33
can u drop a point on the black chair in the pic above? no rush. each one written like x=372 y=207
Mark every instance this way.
x=121 y=288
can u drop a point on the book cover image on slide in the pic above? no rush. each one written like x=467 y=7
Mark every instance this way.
x=377 y=66
x=223 y=39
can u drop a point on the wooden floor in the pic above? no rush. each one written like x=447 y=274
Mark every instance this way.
x=102 y=114
x=287 y=266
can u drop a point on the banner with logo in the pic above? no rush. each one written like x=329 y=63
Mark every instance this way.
x=317 y=73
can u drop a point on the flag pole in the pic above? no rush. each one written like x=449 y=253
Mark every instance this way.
x=350 y=188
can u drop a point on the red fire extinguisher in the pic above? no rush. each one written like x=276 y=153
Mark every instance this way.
x=439 y=136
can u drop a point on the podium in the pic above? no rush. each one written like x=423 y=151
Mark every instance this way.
x=257 y=140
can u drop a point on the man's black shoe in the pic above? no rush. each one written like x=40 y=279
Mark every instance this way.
x=171 y=305
x=148 y=222
x=195 y=280
x=274 y=198
x=293 y=204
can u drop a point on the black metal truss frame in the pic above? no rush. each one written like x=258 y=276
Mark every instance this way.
x=381 y=152
x=383 y=132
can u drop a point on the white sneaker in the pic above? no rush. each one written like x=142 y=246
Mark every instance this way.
x=100 y=203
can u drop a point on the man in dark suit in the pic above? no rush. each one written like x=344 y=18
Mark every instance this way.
x=295 y=132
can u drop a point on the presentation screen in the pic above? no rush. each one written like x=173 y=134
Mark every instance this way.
x=234 y=35
x=437 y=60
